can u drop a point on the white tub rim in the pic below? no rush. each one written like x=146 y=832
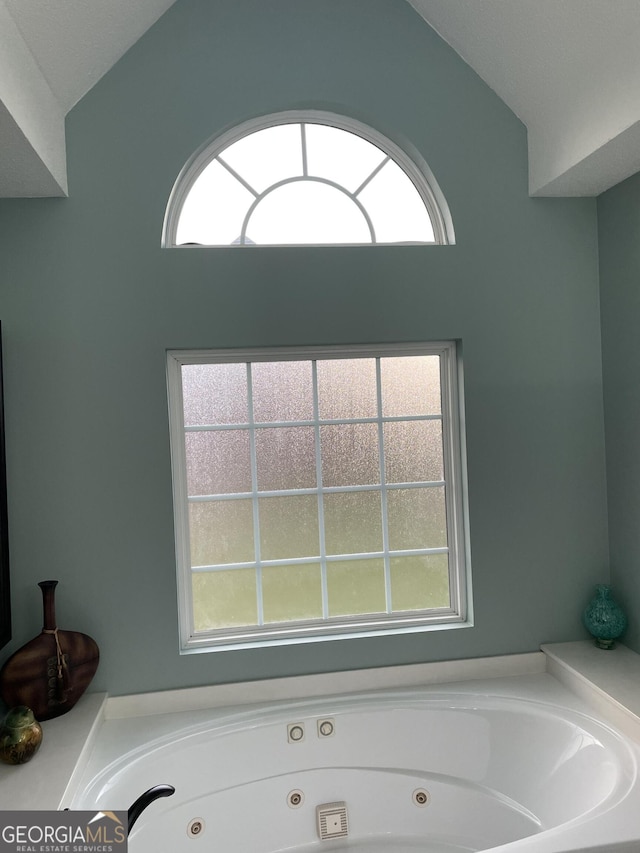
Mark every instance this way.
x=236 y=719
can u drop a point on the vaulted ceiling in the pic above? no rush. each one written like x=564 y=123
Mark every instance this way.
x=569 y=69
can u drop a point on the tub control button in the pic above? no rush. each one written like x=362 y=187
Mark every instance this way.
x=295 y=732
x=326 y=728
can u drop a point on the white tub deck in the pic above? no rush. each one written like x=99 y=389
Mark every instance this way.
x=517 y=761
x=80 y=745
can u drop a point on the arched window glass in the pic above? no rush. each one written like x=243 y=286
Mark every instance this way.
x=303 y=179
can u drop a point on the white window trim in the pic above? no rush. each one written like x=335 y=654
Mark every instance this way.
x=414 y=165
x=458 y=615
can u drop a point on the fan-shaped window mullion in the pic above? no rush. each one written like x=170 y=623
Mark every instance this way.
x=237 y=176
x=390 y=191
x=370 y=177
x=307 y=181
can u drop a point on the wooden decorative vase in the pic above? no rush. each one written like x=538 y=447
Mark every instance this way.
x=51 y=672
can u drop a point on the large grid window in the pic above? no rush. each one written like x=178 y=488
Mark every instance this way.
x=317 y=492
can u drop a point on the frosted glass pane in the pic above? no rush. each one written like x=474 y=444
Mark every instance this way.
x=214 y=209
x=350 y=455
x=413 y=451
x=307 y=212
x=218 y=462
x=224 y=599
x=416 y=518
x=289 y=527
x=286 y=458
x=410 y=385
x=356 y=587
x=352 y=522
x=266 y=156
x=282 y=391
x=221 y=532
x=396 y=207
x=420 y=582
x=292 y=593
x=340 y=156
x=214 y=394
x=347 y=388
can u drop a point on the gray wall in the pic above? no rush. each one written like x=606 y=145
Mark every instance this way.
x=619 y=227
x=90 y=303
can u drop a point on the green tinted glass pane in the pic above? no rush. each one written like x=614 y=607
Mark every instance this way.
x=221 y=532
x=413 y=451
x=282 y=391
x=286 y=458
x=214 y=394
x=350 y=455
x=355 y=587
x=292 y=592
x=352 y=522
x=420 y=582
x=417 y=518
x=289 y=527
x=218 y=462
x=410 y=385
x=347 y=388
x=224 y=599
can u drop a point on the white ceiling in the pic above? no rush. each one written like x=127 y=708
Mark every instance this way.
x=51 y=54
x=569 y=69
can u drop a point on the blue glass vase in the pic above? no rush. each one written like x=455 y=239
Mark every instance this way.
x=604 y=619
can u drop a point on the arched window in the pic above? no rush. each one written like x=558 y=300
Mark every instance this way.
x=310 y=178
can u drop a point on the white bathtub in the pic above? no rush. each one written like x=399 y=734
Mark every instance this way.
x=518 y=764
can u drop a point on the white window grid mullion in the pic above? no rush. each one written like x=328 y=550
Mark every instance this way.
x=254 y=501
x=383 y=492
x=329 y=558
x=326 y=490
x=322 y=539
x=303 y=146
x=321 y=421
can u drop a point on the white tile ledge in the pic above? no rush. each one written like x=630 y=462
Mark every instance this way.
x=608 y=681
x=323 y=684
x=66 y=744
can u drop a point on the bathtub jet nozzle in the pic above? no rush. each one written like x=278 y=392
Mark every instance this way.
x=145 y=800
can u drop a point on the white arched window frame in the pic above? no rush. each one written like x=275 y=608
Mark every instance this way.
x=414 y=168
